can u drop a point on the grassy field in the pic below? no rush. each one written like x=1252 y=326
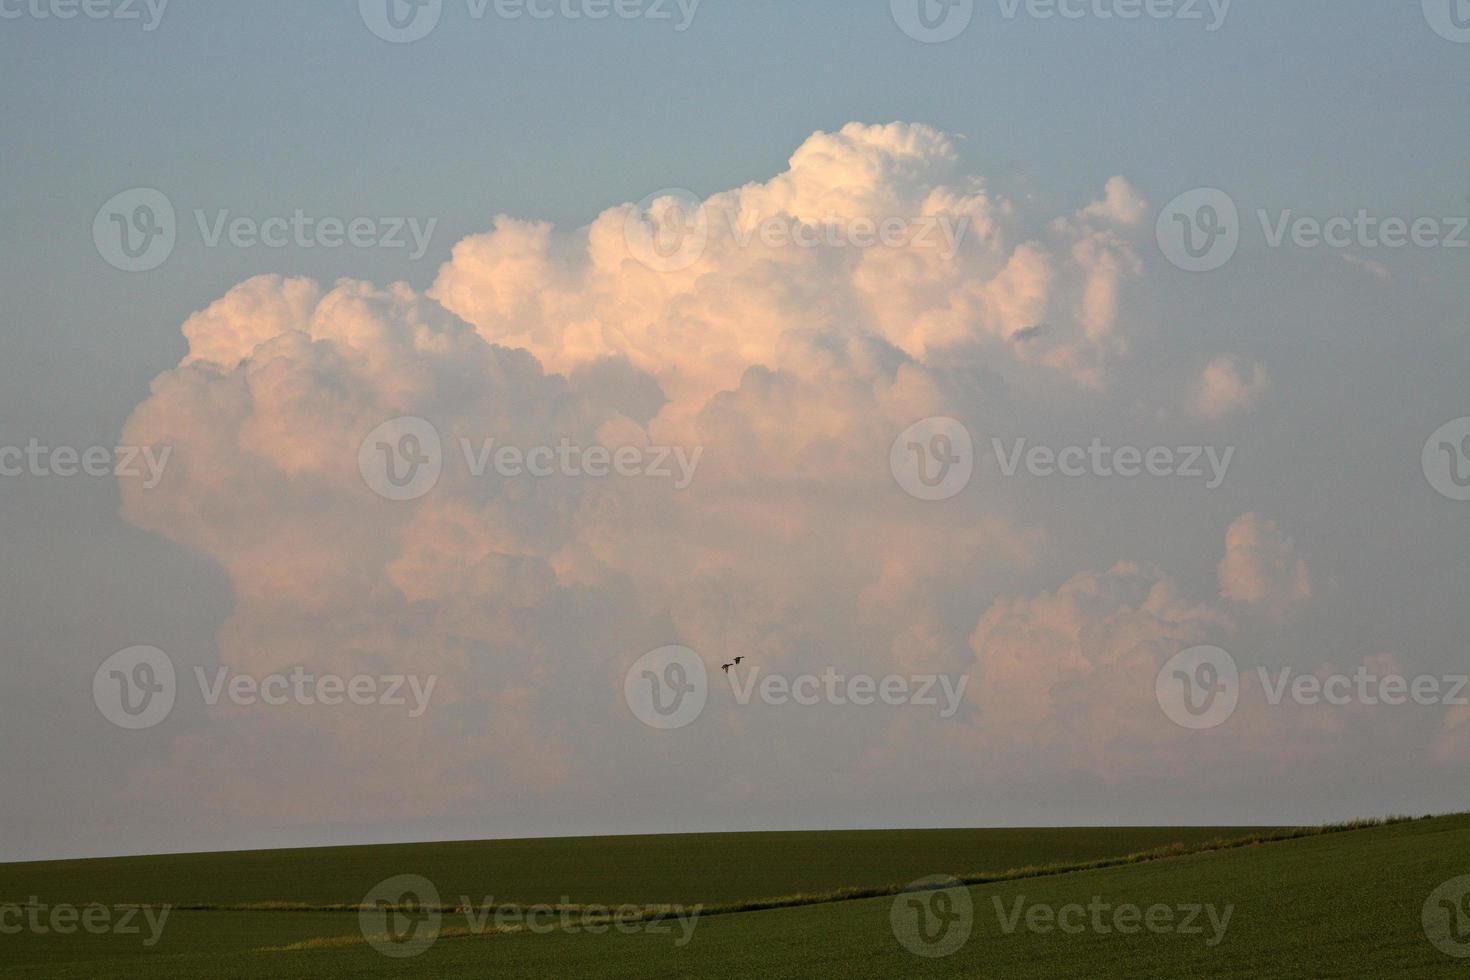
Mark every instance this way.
x=688 y=868
x=1344 y=904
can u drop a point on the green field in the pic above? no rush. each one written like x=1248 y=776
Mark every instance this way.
x=1341 y=904
x=688 y=868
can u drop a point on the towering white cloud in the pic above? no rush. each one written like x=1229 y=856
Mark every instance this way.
x=790 y=368
x=963 y=274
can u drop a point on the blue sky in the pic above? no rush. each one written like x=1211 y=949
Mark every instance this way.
x=1321 y=107
x=264 y=108
x=1320 y=104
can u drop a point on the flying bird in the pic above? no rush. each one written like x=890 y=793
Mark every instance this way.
x=726 y=667
x=738 y=659
x=1029 y=333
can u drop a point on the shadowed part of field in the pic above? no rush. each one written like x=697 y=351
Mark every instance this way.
x=1344 y=904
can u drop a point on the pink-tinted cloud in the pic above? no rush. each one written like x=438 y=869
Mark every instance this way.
x=1261 y=568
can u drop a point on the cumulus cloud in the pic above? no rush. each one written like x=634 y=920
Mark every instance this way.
x=967 y=275
x=791 y=369
x=1228 y=386
x=1261 y=568
x=1121 y=203
x=1071 y=672
x=1066 y=686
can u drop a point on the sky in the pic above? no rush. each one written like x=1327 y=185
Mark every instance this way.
x=656 y=232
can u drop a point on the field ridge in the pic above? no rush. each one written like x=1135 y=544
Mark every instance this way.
x=1165 y=853
x=858 y=893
